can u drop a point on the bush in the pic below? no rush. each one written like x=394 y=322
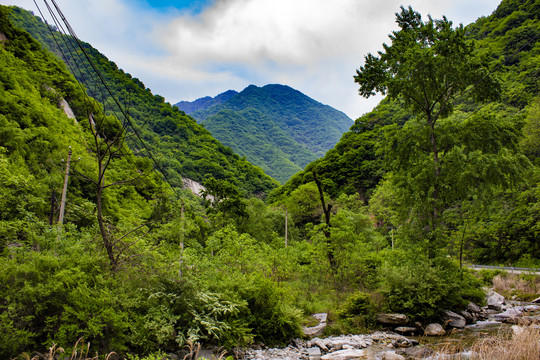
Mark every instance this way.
x=358 y=312
x=422 y=288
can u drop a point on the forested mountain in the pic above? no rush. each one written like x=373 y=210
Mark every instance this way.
x=381 y=224
x=202 y=104
x=274 y=126
x=507 y=40
x=180 y=146
x=108 y=273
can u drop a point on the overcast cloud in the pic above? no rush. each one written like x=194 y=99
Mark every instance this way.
x=314 y=46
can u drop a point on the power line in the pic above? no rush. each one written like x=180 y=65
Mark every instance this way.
x=104 y=83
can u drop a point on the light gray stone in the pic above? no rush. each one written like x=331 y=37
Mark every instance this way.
x=454 y=320
x=393 y=319
x=390 y=355
x=314 y=353
x=511 y=313
x=321 y=317
x=345 y=355
x=434 y=330
x=406 y=330
x=495 y=300
x=314 y=331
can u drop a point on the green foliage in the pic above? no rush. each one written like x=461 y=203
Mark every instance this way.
x=421 y=288
x=275 y=127
x=358 y=312
x=181 y=146
x=253 y=134
x=487 y=275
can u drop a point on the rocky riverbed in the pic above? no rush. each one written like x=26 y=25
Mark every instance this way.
x=466 y=326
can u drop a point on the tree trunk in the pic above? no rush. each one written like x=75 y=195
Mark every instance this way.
x=437 y=173
x=327 y=213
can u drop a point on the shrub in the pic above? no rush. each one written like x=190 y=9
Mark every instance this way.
x=356 y=313
x=422 y=288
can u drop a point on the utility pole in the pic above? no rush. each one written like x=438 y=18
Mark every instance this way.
x=286 y=218
x=64 y=192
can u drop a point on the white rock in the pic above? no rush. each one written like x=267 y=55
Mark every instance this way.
x=389 y=355
x=345 y=355
x=495 y=300
x=434 y=330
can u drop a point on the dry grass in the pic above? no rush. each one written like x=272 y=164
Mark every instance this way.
x=523 y=345
x=526 y=287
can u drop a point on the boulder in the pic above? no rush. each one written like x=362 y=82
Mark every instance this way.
x=469 y=317
x=474 y=309
x=314 y=353
x=390 y=355
x=434 y=330
x=495 y=300
x=393 y=319
x=406 y=330
x=510 y=315
x=345 y=355
x=321 y=317
x=418 y=352
x=454 y=320
x=314 y=331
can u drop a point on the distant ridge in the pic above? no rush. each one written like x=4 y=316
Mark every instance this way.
x=206 y=102
x=275 y=126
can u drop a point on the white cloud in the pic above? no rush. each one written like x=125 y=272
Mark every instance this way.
x=314 y=46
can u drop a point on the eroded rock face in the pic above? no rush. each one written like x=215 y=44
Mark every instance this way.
x=434 y=330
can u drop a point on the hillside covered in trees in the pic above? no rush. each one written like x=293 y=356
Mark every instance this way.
x=498 y=227
x=382 y=223
x=180 y=146
x=274 y=126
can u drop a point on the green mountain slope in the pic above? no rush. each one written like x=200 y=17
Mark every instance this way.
x=252 y=134
x=181 y=147
x=307 y=128
x=503 y=226
x=508 y=38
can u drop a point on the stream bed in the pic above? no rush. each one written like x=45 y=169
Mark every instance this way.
x=389 y=345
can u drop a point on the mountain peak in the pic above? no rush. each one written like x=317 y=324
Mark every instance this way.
x=206 y=102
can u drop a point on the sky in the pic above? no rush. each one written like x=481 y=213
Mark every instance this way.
x=184 y=50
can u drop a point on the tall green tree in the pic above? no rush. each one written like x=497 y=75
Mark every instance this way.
x=431 y=66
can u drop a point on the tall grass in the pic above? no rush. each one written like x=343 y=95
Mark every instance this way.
x=523 y=286
x=524 y=344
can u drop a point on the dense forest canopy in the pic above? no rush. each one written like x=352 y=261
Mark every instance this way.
x=144 y=268
x=180 y=146
x=274 y=126
x=373 y=158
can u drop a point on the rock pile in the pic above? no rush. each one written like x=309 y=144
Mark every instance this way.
x=334 y=348
x=389 y=345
